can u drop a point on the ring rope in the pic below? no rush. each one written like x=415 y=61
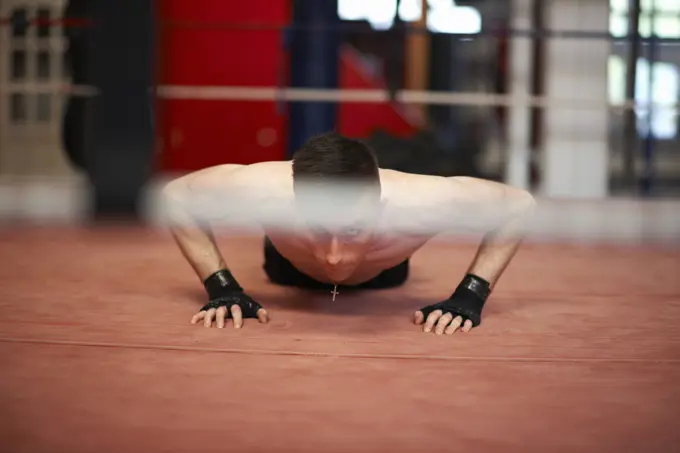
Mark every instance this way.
x=372 y=96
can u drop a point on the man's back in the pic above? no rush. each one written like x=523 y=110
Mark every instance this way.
x=333 y=216
x=271 y=184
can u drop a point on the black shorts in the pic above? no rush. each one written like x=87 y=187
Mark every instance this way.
x=282 y=272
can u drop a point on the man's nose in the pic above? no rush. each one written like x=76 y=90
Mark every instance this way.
x=334 y=253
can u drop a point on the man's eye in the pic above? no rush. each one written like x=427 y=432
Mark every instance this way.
x=351 y=232
x=321 y=232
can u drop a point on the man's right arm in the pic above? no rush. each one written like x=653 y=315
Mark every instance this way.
x=197 y=243
x=194 y=238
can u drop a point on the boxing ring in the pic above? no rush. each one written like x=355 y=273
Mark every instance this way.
x=578 y=350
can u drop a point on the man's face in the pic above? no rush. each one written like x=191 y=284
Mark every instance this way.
x=340 y=234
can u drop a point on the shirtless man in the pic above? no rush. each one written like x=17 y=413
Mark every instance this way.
x=385 y=217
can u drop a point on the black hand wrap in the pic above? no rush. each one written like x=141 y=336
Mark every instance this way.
x=224 y=291
x=467 y=300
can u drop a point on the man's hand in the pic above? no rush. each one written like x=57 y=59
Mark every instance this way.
x=237 y=306
x=462 y=309
x=442 y=323
x=228 y=300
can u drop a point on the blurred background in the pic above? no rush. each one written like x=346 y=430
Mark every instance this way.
x=571 y=99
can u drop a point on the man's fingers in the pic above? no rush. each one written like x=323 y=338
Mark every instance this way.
x=207 y=321
x=431 y=319
x=455 y=324
x=262 y=315
x=418 y=317
x=237 y=315
x=442 y=323
x=467 y=326
x=197 y=317
x=220 y=314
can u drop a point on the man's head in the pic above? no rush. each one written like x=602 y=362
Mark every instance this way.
x=332 y=155
x=337 y=188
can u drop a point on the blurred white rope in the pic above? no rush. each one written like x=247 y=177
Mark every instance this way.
x=250 y=93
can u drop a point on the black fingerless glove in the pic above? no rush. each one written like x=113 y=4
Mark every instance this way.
x=467 y=300
x=224 y=291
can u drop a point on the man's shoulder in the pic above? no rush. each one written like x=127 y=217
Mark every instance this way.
x=413 y=189
x=264 y=181
x=230 y=176
x=403 y=177
x=278 y=170
x=255 y=192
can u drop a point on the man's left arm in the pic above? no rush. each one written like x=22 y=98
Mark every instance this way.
x=500 y=244
x=504 y=212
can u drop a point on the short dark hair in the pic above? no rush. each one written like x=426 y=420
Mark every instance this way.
x=332 y=156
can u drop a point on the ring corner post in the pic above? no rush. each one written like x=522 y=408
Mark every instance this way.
x=314 y=63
